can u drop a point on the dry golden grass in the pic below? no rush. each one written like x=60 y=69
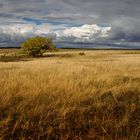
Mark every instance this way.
x=68 y=96
x=8 y=50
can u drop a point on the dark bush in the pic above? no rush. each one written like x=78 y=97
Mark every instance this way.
x=81 y=53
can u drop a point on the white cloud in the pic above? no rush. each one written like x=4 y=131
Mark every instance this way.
x=25 y=28
x=17 y=33
x=84 y=33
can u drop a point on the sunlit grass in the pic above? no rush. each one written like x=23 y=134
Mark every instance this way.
x=71 y=96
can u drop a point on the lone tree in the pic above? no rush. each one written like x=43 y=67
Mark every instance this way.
x=36 y=46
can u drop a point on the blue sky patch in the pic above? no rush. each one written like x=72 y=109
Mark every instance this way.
x=31 y=20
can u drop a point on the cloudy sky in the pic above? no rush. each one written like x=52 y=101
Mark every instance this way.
x=98 y=22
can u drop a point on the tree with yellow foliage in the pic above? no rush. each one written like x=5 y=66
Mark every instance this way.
x=36 y=46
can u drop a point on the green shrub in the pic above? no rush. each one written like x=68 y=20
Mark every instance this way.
x=37 y=45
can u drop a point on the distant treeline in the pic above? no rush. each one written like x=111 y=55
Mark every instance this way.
x=77 y=48
x=71 y=48
x=9 y=47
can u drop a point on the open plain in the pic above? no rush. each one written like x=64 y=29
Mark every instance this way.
x=71 y=95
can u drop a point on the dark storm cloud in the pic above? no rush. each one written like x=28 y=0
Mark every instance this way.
x=4 y=15
x=1 y=5
x=122 y=15
x=102 y=10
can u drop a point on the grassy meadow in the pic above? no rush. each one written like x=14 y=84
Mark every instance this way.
x=70 y=95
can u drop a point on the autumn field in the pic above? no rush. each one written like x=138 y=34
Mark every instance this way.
x=71 y=95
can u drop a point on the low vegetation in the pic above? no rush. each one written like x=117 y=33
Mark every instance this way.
x=32 y=47
x=36 y=46
x=81 y=53
x=90 y=97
